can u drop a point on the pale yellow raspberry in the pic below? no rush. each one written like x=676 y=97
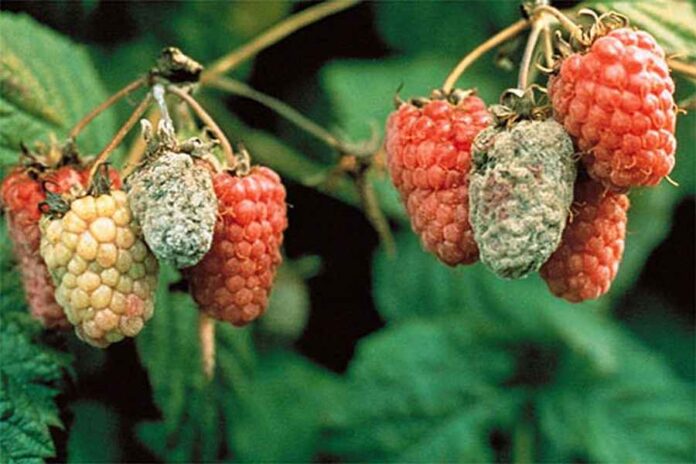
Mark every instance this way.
x=105 y=275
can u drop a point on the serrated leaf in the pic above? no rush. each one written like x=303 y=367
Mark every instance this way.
x=671 y=22
x=28 y=379
x=47 y=84
x=639 y=413
x=423 y=392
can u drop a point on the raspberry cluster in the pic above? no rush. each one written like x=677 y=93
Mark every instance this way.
x=428 y=144
x=586 y=262
x=617 y=100
x=104 y=273
x=233 y=281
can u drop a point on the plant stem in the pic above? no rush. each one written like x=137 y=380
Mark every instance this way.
x=687 y=69
x=120 y=135
x=274 y=35
x=527 y=58
x=82 y=123
x=502 y=36
x=523 y=445
x=283 y=109
x=567 y=23
x=374 y=213
x=138 y=148
x=206 y=336
x=208 y=121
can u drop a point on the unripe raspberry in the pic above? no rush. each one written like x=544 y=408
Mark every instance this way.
x=428 y=144
x=105 y=275
x=233 y=281
x=617 y=100
x=585 y=264
x=172 y=198
x=22 y=194
x=521 y=188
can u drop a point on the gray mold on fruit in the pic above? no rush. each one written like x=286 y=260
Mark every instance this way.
x=172 y=198
x=520 y=192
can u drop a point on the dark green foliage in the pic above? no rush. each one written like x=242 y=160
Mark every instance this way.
x=463 y=356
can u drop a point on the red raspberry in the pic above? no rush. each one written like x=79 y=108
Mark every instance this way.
x=22 y=192
x=617 y=101
x=585 y=264
x=429 y=156
x=233 y=280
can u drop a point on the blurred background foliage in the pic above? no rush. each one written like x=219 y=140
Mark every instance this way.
x=361 y=356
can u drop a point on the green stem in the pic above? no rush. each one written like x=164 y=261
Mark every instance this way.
x=523 y=443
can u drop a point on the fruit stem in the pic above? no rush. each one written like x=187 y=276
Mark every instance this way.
x=139 y=146
x=567 y=24
x=206 y=335
x=291 y=114
x=208 y=121
x=106 y=104
x=120 y=135
x=374 y=213
x=502 y=36
x=687 y=69
x=274 y=35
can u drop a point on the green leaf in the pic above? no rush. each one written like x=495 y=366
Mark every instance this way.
x=672 y=23
x=282 y=409
x=94 y=433
x=47 y=84
x=451 y=28
x=29 y=375
x=639 y=413
x=424 y=391
x=169 y=350
x=473 y=296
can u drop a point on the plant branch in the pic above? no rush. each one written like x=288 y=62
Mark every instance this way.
x=574 y=30
x=291 y=114
x=120 y=135
x=274 y=35
x=502 y=36
x=206 y=336
x=139 y=146
x=680 y=67
x=208 y=121
x=528 y=56
x=82 y=123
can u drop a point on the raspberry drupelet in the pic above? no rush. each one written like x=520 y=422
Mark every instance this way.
x=616 y=100
x=428 y=144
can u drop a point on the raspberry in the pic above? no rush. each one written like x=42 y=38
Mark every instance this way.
x=233 y=281
x=521 y=188
x=617 y=101
x=172 y=198
x=585 y=264
x=22 y=193
x=104 y=273
x=428 y=145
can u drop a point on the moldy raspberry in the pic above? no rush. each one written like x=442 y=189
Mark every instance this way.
x=587 y=260
x=233 y=280
x=172 y=197
x=428 y=144
x=616 y=99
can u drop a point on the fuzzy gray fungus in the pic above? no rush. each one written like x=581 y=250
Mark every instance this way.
x=172 y=197
x=520 y=192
